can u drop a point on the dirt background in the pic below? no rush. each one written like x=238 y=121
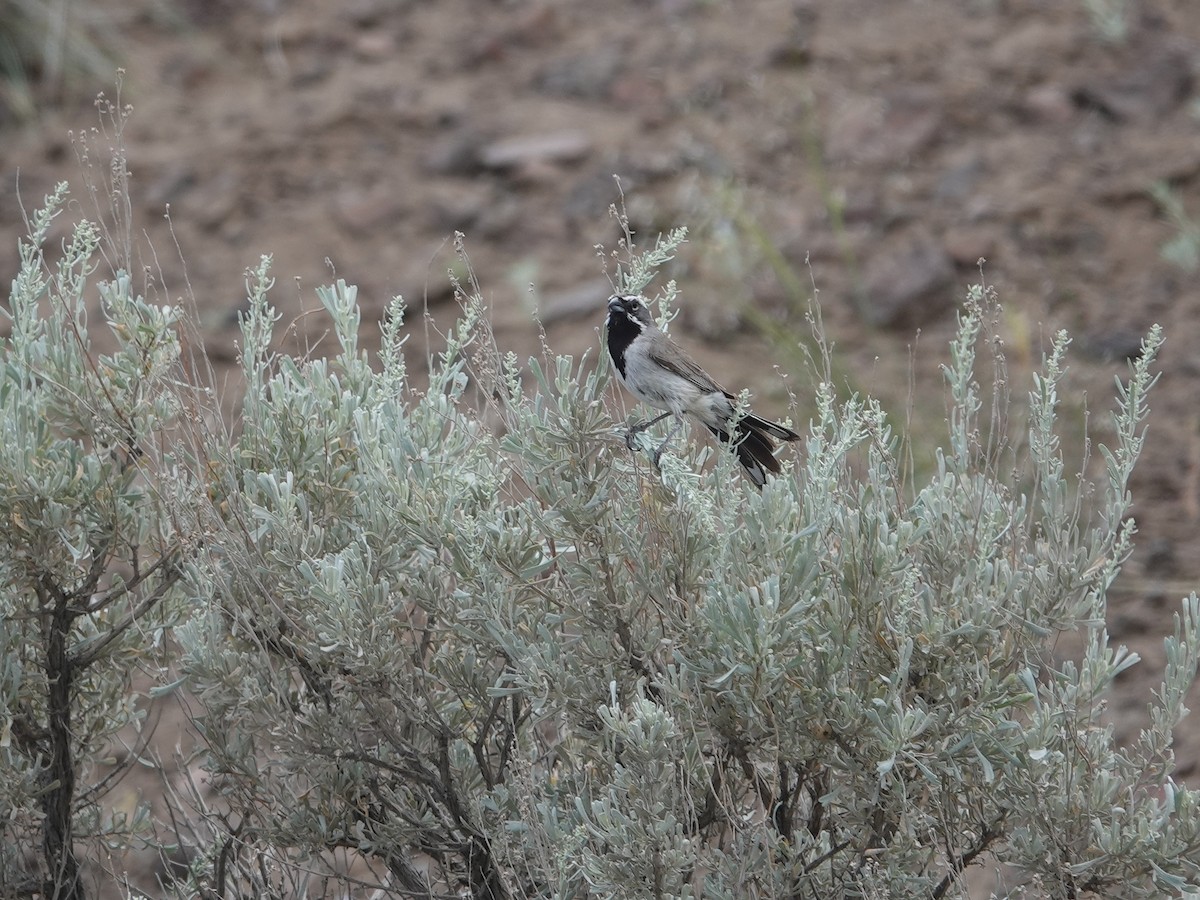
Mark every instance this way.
x=874 y=149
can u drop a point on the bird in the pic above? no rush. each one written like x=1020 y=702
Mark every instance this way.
x=657 y=371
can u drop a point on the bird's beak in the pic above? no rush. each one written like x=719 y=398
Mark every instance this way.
x=615 y=304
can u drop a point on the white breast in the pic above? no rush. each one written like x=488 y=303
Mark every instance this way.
x=665 y=390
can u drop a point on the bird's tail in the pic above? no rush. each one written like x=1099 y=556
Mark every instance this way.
x=774 y=429
x=754 y=448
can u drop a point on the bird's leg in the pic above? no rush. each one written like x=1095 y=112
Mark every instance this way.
x=663 y=446
x=635 y=430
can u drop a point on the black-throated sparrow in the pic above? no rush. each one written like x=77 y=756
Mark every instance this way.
x=654 y=369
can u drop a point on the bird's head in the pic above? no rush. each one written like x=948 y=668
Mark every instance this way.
x=628 y=306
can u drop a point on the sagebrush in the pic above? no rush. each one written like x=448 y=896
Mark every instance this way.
x=451 y=637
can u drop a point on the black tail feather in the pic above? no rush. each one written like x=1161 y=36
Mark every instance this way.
x=754 y=449
x=774 y=429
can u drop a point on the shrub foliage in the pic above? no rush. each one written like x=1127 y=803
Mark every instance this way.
x=453 y=638
x=95 y=530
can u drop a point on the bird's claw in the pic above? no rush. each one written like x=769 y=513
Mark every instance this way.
x=631 y=439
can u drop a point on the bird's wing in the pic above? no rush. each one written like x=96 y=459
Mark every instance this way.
x=671 y=358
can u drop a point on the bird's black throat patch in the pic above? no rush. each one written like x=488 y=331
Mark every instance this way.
x=622 y=329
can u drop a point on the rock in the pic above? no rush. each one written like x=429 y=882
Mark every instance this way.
x=169 y=186
x=367 y=13
x=1148 y=158
x=795 y=49
x=1025 y=52
x=1128 y=623
x=966 y=246
x=643 y=95
x=214 y=201
x=1159 y=559
x=960 y=181
x=500 y=219
x=582 y=76
x=364 y=211
x=423 y=285
x=1113 y=345
x=908 y=284
x=861 y=204
x=1158 y=82
x=526 y=27
x=1048 y=103
x=374 y=46
x=584 y=300
x=590 y=196
x=517 y=152
x=457 y=206
x=456 y=153
x=716 y=319
x=885 y=129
